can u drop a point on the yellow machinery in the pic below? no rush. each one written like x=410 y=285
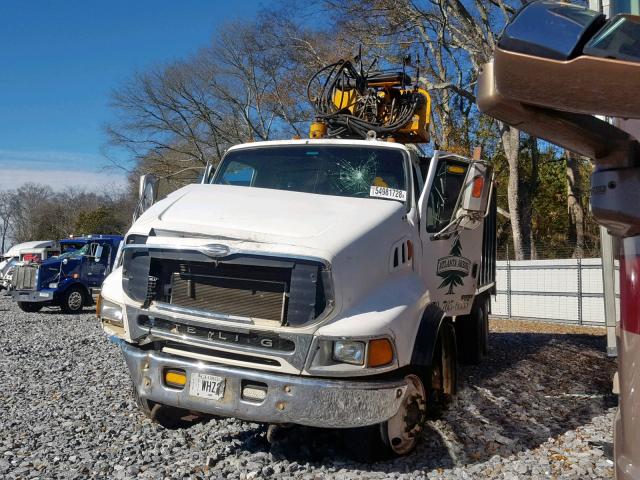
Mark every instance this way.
x=353 y=104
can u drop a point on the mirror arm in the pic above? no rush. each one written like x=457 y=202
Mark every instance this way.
x=445 y=233
x=486 y=214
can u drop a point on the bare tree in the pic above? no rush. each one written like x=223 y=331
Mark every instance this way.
x=39 y=213
x=454 y=39
x=245 y=86
x=6 y=216
x=575 y=204
x=27 y=210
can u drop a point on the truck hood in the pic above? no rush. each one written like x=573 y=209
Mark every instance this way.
x=260 y=215
x=50 y=268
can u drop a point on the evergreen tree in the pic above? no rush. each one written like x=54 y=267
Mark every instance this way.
x=453 y=278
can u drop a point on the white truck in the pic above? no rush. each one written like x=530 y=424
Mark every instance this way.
x=321 y=282
x=27 y=252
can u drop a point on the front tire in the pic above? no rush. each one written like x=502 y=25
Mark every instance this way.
x=30 y=307
x=171 y=418
x=401 y=433
x=72 y=300
x=429 y=391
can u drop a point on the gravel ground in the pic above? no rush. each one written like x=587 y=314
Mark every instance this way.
x=540 y=407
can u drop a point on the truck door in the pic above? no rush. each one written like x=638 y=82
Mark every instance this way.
x=98 y=266
x=451 y=256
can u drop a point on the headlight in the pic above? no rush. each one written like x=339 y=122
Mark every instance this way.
x=53 y=285
x=349 y=352
x=110 y=311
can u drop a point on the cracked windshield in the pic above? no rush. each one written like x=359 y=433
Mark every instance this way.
x=340 y=171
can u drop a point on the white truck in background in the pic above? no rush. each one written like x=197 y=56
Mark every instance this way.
x=314 y=282
x=28 y=252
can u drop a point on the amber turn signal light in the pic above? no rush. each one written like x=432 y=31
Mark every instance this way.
x=98 y=304
x=380 y=353
x=478 y=185
x=175 y=378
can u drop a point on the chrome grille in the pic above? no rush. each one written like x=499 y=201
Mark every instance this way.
x=230 y=296
x=24 y=277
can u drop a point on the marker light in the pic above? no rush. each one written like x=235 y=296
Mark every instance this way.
x=380 y=353
x=175 y=378
x=478 y=185
x=456 y=169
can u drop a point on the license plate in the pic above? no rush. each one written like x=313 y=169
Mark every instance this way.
x=206 y=386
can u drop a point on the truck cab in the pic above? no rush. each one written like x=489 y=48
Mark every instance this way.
x=28 y=252
x=315 y=282
x=69 y=280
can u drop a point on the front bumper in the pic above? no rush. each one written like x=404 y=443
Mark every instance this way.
x=289 y=398
x=32 y=296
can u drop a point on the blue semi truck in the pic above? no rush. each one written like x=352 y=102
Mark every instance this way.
x=70 y=280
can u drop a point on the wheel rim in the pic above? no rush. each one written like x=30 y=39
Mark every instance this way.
x=403 y=429
x=75 y=301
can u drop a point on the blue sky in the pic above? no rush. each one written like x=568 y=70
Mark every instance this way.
x=59 y=61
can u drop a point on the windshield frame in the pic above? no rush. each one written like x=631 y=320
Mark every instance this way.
x=406 y=164
x=73 y=253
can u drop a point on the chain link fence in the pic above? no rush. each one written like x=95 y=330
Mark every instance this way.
x=567 y=290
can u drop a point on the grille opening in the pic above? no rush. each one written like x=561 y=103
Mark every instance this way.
x=24 y=277
x=223 y=354
x=284 y=292
x=230 y=295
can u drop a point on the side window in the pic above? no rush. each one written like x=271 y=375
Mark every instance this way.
x=238 y=173
x=444 y=194
x=106 y=251
x=416 y=185
x=92 y=249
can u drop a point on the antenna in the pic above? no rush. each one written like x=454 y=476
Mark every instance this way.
x=405 y=61
x=362 y=76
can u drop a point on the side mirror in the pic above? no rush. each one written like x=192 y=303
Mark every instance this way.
x=476 y=192
x=208 y=173
x=147 y=194
x=98 y=253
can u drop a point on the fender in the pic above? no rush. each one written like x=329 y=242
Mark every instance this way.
x=424 y=344
x=67 y=285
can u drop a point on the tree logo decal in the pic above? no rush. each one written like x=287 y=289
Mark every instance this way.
x=453 y=268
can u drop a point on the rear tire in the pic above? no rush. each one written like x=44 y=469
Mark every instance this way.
x=30 y=307
x=472 y=332
x=72 y=300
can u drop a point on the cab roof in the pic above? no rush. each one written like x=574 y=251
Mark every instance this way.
x=89 y=238
x=25 y=247
x=322 y=141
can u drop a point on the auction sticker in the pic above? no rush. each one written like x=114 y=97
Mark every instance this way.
x=385 y=192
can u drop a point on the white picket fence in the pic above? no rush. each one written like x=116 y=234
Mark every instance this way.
x=566 y=290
